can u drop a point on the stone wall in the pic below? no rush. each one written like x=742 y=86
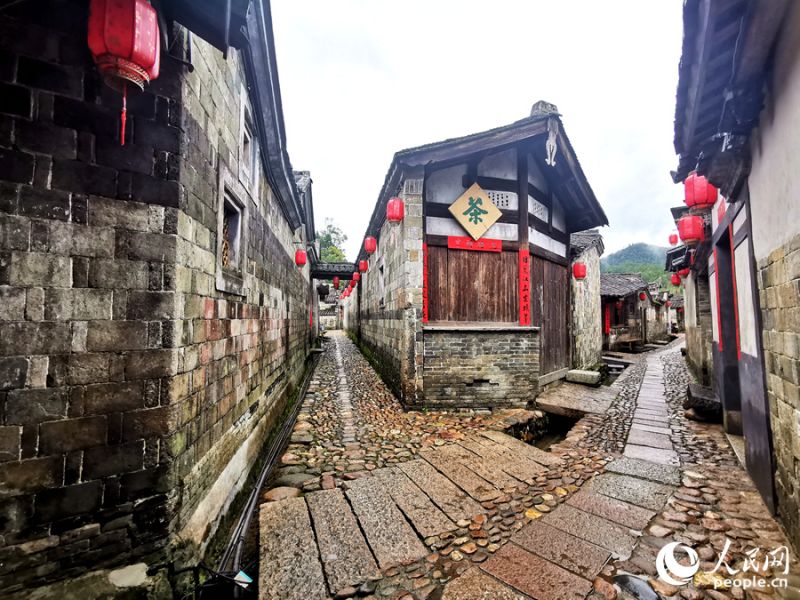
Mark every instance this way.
x=779 y=290
x=480 y=369
x=697 y=306
x=133 y=393
x=391 y=300
x=587 y=321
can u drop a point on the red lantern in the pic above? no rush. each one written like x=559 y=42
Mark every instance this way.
x=395 y=210
x=370 y=244
x=679 y=309
x=619 y=303
x=300 y=258
x=684 y=273
x=363 y=266
x=675 y=279
x=579 y=270
x=698 y=193
x=336 y=283
x=691 y=229
x=356 y=276
x=125 y=44
x=673 y=239
x=642 y=296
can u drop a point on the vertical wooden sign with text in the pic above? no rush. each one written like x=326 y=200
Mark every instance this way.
x=424 y=282
x=524 y=286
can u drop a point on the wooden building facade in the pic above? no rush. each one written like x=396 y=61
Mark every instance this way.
x=468 y=299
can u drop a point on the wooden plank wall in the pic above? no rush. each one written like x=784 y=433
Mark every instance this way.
x=472 y=286
x=550 y=311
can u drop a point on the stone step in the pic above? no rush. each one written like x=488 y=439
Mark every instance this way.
x=517 y=466
x=647 y=494
x=487 y=470
x=572 y=553
x=593 y=529
x=626 y=514
x=391 y=538
x=446 y=495
x=458 y=473
x=535 y=576
x=426 y=518
x=346 y=557
x=532 y=452
x=289 y=565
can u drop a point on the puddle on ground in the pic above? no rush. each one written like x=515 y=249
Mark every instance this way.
x=544 y=431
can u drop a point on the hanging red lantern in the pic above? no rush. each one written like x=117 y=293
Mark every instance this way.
x=698 y=193
x=370 y=244
x=363 y=266
x=395 y=210
x=691 y=229
x=679 y=309
x=300 y=258
x=619 y=303
x=675 y=279
x=673 y=239
x=336 y=283
x=684 y=273
x=642 y=296
x=125 y=44
x=356 y=276
x=579 y=270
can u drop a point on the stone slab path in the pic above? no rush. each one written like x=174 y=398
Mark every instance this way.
x=381 y=521
x=412 y=506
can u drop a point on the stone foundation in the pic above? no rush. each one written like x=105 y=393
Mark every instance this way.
x=480 y=369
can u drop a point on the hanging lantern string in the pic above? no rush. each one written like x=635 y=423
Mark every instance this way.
x=124 y=115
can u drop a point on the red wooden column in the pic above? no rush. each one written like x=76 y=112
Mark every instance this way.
x=424 y=282
x=524 y=248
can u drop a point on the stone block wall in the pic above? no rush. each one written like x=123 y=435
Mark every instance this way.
x=779 y=291
x=587 y=320
x=134 y=395
x=480 y=369
x=391 y=299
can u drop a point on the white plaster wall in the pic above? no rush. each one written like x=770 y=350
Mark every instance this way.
x=502 y=165
x=775 y=176
x=446 y=185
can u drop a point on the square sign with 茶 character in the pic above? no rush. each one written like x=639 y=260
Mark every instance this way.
x=475 y=211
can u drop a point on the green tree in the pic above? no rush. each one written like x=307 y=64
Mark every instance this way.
x=331 y=240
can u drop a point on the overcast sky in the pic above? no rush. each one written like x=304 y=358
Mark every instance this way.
x=362 y=79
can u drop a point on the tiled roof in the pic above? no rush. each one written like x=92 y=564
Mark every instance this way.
x=621 y=284
x=581 y=241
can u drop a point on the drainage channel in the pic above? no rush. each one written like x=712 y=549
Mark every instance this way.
x=231 y=562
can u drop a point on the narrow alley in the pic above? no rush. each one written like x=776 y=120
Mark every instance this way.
x=376 y=502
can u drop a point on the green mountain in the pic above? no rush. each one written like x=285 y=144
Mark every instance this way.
x=646 y=259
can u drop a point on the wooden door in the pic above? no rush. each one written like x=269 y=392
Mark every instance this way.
x=550 y=311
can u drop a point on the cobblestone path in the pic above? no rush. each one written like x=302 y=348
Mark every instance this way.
x=375 y=502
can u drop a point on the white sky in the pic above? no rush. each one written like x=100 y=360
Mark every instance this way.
x=362 y=79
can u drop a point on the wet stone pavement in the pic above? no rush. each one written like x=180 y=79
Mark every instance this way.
x=371 y=501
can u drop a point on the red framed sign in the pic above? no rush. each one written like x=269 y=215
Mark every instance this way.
x=466 y=243
x=524 y=286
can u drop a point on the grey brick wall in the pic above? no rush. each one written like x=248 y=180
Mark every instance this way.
x=475 y=369
x=779 y=291
x=127 y=381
